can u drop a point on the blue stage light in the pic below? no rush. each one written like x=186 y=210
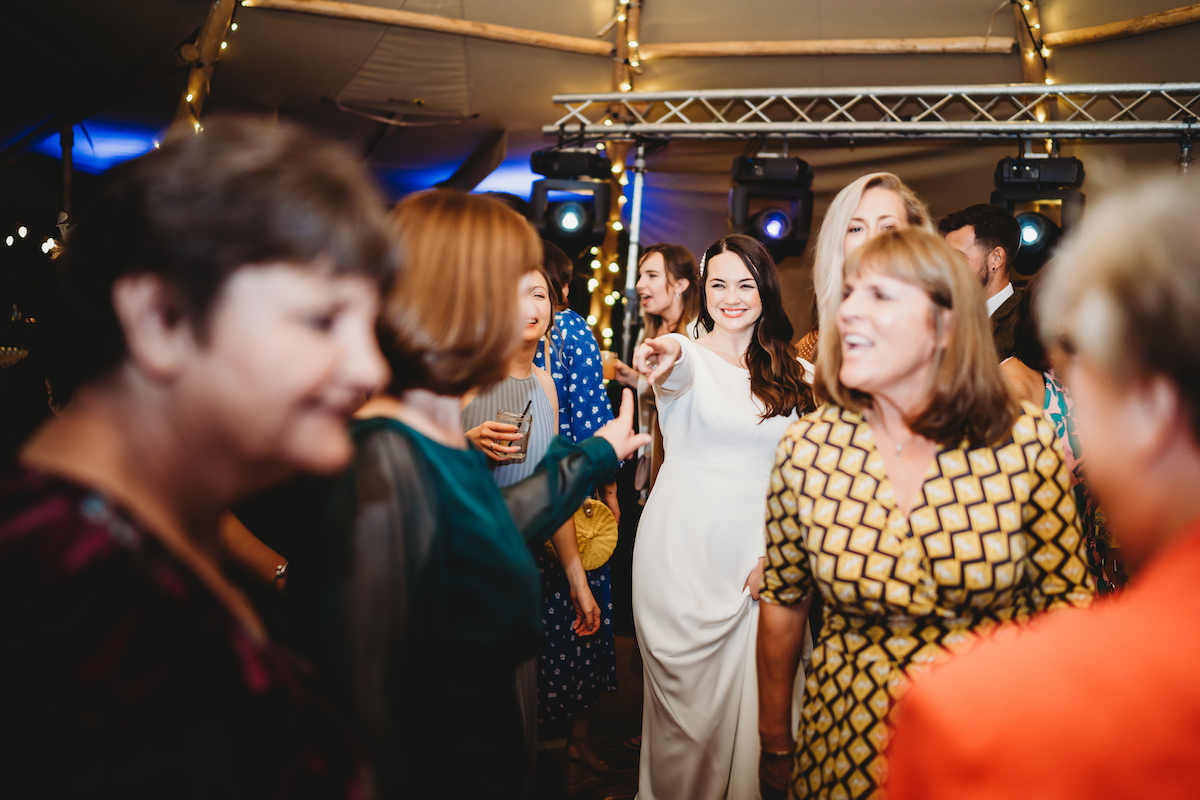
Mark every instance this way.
x=771 y=225
x=570 y=218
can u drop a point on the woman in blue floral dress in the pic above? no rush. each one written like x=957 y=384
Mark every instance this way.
x=573 y=671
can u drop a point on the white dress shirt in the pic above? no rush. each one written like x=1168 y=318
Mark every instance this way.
x=997 y=300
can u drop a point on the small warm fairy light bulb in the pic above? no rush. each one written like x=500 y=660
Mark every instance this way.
x=22 y=231
x=608 y=122
x=635 y=63
x=596 y=263
x=617 y=226
x=9 y=241
x=592 y=284
x=622 y=199
x=599 y=145
x=606 y=333
x=1037 y=26
x=233 y=27
x=224 y=45
x=1026 y=6
x=616 y=168
x=1029 y=54
x=1045 y=52
x=591 y=320
x=624 y=180
x=190 y=96
x=613 y=267
x=595 y=251
x=1048 y=81
x=608 y=300
x=1041 y=115
x=633 y=43
x=620 y=17
x=625 y=86
x=607 y=342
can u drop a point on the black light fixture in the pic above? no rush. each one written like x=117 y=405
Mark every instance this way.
x=570 y=206
x=1030 y=186
x=783 y=229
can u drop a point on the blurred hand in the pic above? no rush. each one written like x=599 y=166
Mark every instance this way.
x=587 y=612
x=627 y=374
x=491 y=438
x=774 y=774
x=654 y=358
x=619 y=433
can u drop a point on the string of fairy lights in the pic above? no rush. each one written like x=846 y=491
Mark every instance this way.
x=607 y=259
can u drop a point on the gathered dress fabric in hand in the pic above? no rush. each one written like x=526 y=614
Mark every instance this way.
x=700 y=536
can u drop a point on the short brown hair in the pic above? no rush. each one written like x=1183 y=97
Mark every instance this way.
x=969 y=398
x=449 y=322
x=1125 y=288
x=244 y=192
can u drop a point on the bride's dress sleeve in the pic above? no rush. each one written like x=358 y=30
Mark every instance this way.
x=682 y=374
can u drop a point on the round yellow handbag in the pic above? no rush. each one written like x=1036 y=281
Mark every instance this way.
x=596 y=533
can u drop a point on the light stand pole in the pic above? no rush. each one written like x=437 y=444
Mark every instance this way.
x=631 y=260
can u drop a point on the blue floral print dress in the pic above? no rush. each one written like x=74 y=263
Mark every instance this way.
x=572 y=670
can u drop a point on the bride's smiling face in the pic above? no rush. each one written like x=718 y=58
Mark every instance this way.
x=731 y=293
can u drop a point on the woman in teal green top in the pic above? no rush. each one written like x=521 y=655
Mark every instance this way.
x=420 y=595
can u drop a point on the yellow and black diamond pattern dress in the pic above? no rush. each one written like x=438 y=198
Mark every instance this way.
x=995 y=539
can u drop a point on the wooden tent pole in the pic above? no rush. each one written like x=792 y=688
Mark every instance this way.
x=430 y=22
x=1129 y=27
x=828 y=47
x=209 y=45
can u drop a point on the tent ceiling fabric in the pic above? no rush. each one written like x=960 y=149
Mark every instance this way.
x=291 y=64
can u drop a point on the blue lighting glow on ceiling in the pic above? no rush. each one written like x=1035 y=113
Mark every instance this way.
x=513 y=176
x=105 y=144
x=399 y=182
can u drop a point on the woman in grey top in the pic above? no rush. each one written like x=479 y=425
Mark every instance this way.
x=528 y=386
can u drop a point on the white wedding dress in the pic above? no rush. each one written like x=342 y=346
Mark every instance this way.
x=701 y=534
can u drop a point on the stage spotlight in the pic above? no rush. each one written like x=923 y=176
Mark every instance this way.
x=570 y=217
x=1043 y=192
x=771 y=225
x=1039 y=236
x=1041 y=181
x=570 y=207
x=784 y=230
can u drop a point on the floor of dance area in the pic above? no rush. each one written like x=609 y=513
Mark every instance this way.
x=616 y=717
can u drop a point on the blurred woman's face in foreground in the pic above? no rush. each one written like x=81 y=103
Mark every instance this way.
x=290 y=354
x=887 y=334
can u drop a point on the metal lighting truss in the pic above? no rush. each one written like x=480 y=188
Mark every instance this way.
x=1098 y=111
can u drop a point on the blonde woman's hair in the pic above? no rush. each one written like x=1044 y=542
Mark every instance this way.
x=829 y=255
x=968 y=398
x=1124 y=289
x=450 y=319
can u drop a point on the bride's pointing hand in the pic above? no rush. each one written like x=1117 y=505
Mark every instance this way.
x=654 y=358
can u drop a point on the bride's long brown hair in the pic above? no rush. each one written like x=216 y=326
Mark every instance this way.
x=776 y=377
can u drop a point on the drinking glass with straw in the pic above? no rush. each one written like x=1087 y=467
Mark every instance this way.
x=523 y=421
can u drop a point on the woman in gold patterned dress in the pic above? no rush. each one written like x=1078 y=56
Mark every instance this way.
x=925 y=505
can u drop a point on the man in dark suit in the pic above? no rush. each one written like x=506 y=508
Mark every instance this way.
x=988 y=236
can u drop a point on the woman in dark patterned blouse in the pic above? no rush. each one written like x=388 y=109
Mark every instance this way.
x=218 y=333
x=926 y=506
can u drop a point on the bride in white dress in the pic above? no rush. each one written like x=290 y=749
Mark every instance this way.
x=724 y=402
